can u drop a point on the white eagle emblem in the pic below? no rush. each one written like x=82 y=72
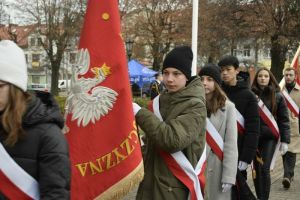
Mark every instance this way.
x=88 y=101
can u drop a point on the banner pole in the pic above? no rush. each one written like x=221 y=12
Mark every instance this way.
x=195 y=36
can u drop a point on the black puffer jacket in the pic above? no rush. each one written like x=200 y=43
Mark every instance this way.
x=43 y=152
x=281 y=116
x=246 y=103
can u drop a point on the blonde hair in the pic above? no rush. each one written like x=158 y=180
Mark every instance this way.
x=290 y=69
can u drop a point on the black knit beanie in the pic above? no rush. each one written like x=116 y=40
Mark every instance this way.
x=180 y=58
x=212 y=71
x=229 y=60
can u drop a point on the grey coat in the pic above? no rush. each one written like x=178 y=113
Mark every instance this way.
x=218 y=172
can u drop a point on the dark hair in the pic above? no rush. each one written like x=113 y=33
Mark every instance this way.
x=218 y=100
x=13 y=113
x=271 y=89
x=228 y=60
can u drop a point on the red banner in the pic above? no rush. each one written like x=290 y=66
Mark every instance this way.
x=296 y=67
x=295 y=64
x=104 y=144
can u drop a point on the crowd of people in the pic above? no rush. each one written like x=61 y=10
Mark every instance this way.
x=201 y=132
x=251 y=122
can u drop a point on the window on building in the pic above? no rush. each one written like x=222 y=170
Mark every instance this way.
x=72 y=58
x=35 y=79
x=32 y=41
x=247 y=50
x=234 y=52
x=267 y=53
x=39 y=41
x=35 y=57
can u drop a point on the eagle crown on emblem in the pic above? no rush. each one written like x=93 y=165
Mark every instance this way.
x=87 y=100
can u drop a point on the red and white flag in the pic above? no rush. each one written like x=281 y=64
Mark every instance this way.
x=104 y=144
x=295 y=65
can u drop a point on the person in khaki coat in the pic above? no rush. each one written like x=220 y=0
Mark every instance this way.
x=289 y=159
x=220 y=174
x=182 y=107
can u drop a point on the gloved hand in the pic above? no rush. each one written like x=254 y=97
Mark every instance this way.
x=136 y=108
x=242 y=165
x=226 y=187
x=283 y=148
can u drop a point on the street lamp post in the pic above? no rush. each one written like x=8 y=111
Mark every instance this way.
x=129 y=45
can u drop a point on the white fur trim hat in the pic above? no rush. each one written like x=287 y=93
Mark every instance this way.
x=13 y=67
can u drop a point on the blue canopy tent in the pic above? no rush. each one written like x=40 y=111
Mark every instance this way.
x=140 y=74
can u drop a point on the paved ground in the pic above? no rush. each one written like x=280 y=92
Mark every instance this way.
x=277 y=191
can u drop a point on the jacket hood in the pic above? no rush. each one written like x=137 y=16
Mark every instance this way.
x=43 y=109
x=240 y=84
x=244 y=76
x=193 y=89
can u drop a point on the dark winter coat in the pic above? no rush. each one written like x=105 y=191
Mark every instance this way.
x=246 y=103
x=281 y=116
x=183 y=129
x=43 y=152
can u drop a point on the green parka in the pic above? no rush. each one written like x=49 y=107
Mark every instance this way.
x=183 y=129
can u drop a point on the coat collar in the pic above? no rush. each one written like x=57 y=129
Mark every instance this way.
x=218 y=119
x=297 y=86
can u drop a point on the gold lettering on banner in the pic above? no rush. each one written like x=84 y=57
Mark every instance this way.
x=109 y=162
x=110 y=159
x=82 y=168
x=118 y=155
x=96 y=168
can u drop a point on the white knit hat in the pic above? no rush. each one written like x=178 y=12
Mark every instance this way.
x=13 y=67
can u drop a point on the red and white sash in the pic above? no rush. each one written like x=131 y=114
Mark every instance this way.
x=180 y=166
x=240 y=122
x=15 y=183
x=291 y=103
x=268 y=118
x=214 y=139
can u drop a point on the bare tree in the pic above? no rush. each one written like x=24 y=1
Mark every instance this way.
x=277 y=20
x=125 y=7
x=156 y=25
x=221 y=26
x=59 y=21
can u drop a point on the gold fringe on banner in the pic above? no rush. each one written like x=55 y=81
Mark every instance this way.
x=124 y=186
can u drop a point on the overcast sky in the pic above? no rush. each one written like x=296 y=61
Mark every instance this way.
x=11 y=11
